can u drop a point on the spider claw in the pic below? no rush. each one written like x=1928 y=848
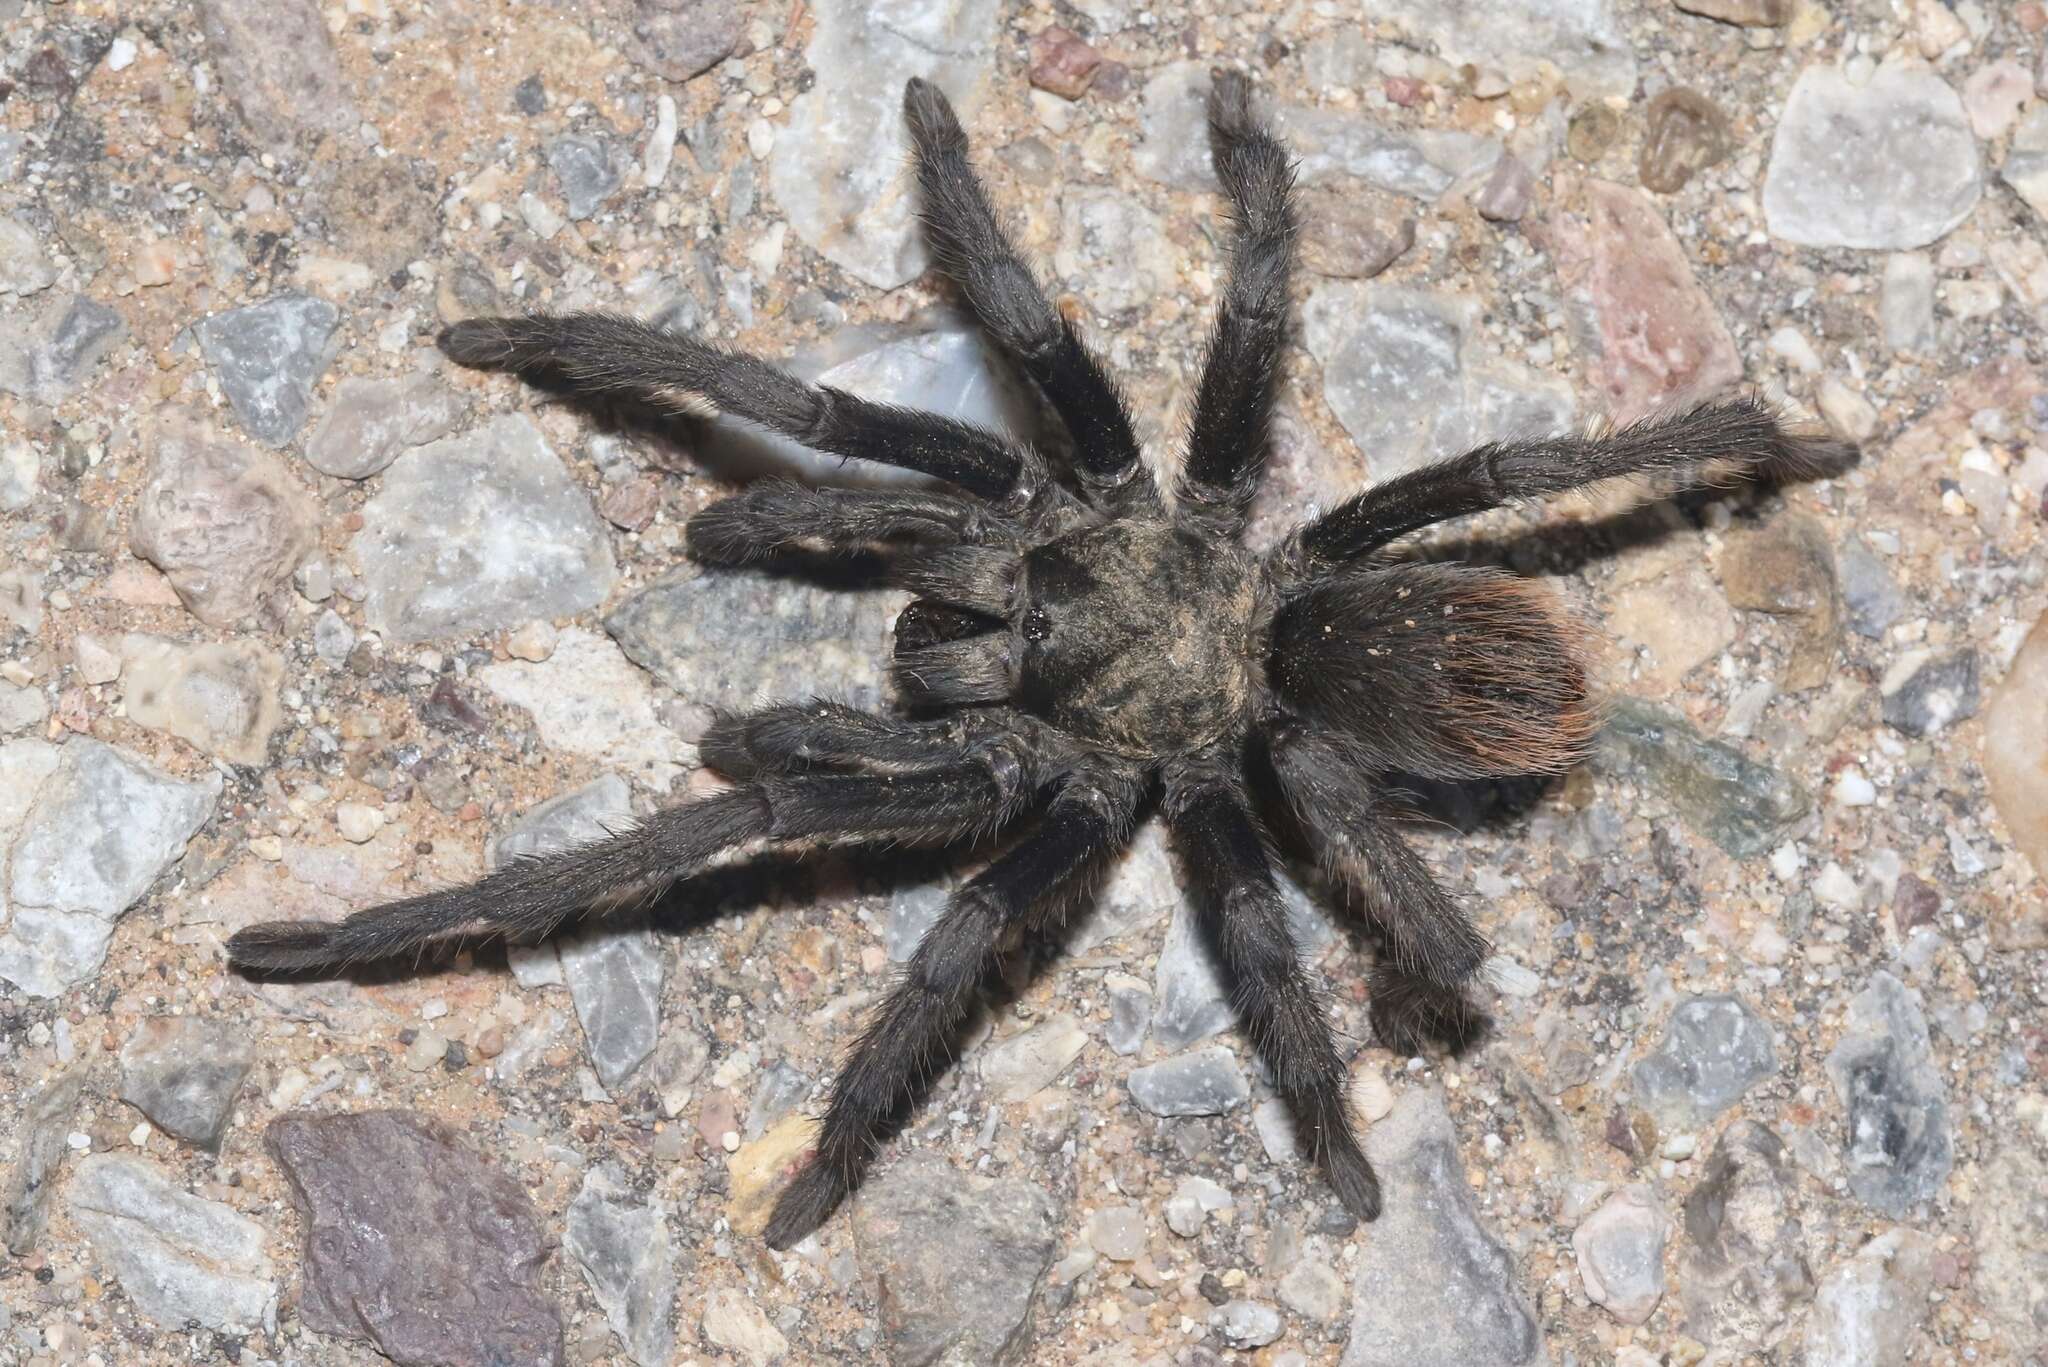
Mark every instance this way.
x=807 y=1202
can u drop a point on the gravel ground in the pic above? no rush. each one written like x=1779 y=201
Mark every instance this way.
x=294 y=617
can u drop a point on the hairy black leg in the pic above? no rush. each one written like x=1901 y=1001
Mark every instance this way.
x=973 y=250
x=1425 y=933
x=780 y=517
x=529 y=898
x=1229 y=433
x=1737 y=437
x=910 y=1034
x=830 y=735
x=1231 y=876
x=605 y=353
x=1411 y=1012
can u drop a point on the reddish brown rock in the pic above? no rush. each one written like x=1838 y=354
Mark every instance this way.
x=1652 y=336
x=414 y=1243
x=1062 y=63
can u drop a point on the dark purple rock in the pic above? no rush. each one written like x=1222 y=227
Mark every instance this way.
x=415 y=1244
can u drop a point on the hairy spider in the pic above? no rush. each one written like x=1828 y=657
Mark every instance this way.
x=1080 y=643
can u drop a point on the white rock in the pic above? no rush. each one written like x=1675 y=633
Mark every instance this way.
x=358 y=822
x=588 y=699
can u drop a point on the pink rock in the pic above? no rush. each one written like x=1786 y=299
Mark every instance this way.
x=1652 y=335
x=222 y=519
x=2016 y=771
x=1994 y=95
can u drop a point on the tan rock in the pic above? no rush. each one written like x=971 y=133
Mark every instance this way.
x=2016 y=770
x=760 y=1170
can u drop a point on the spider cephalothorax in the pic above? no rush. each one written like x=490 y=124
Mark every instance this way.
x=1082 y=641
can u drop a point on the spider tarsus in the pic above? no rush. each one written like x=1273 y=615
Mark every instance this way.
x=1410 y=1015
x=283 y=946
x=933 y=123
x=481 y=343
x=1352 y=1178
x=806 y=1203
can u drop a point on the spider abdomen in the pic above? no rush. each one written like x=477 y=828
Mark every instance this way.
x=1135 y=637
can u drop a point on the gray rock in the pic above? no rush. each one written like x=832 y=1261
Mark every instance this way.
x=1869 y=592
x=1334 y=143
x=268 y=357
x=615 y=974
x=1113 y=249
x=1193 y=1002
x=1313 y=1290
x=333 y=638
x=1898 y=1145
x=2026 y=164
x=1018 y=1068
x=1581 y=38
x=24 y=266
x=367 y=422
x=480 y=532
x=223 y=520
x=98 y=830
x=1869 y=1307
x=587 y=699
x=21 y=470
x=275 y=62
x=913 y=911
x=183 y=1072
x=629 y=1260
x=592 y=812
x=679 y=39
x=1430 y=1255
x=1245 y=1324
x=21 y=709
x=1714 y=1050
x=1202 y=1082
x=1620 y=1249
x=1743 y=1275
x=1925 y=694
x=1130 y=1013
x=1193 y=1202
x=959 y=1261
x=1886 y=165
x=1140 y=889
x=1906 y=306
x=1410 y=377
x=43 y=1122
x=21 y=599
x=946 y=369
x=47 y=352
x=179 y=1258
x=836 y=168
x=587 y=170
x=414 y=1243
x=734 y=639
x=220 y=696
x=2009 y=1236
x=1740 y=805
x=1330 y=145
x=781 y=1088
x=1117 y=1233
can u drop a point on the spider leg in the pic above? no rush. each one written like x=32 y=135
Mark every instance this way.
x=1739 y=436
x=605 y=353
x=975 y=253
x=1089 y=817
x=780 y=517
x=984 y=785
x=1429 y=947
x=1223 y=853
x=822 y=734
x=1228 y=436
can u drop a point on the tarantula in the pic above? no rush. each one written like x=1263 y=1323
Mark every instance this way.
x=1081 y=643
